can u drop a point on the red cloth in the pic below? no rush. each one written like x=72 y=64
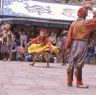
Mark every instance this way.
x=43 y=30
x=21 y=49
x=39 y=40
x=80 y=30
x=82 y=12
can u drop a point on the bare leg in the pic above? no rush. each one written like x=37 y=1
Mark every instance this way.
x=36 y=56
x=46 y=57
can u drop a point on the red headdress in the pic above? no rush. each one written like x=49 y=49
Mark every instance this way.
x=82 y=12
x=43 y=30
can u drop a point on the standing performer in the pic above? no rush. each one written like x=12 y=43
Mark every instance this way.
x=40 y=45
x=77 y=43
x=6 y=41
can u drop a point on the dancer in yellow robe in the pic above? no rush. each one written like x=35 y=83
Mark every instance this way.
x=40 y=45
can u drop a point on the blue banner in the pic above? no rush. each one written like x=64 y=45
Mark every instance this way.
x=34 y=9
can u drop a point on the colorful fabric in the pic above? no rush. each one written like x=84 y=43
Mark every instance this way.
x=7 y=38
x=42 y=30
x=21 y=49
x=78 y=53
x=5 y=47
x=38 y=48
x=40 y=41
x=80 y=30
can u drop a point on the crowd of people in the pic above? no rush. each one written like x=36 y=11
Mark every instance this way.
x=14 y=45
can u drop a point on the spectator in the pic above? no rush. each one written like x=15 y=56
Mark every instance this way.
x=20 y=53
x=28 y=57
x=52 y=38
x=17 y=38
x=14 y=47
x=61 y=45
x=91 y=48
x=31 y=35
x=23 y=39
x=0 y=44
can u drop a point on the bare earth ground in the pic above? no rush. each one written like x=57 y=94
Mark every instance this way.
x=19 y=78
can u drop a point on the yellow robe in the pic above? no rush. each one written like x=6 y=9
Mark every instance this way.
x=38 y=48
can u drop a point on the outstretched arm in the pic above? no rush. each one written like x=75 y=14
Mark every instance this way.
x=34 y=40
x=90 y=24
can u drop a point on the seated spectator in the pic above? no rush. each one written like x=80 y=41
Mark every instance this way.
x=17 y=38
x=28 y=57
x=20 y=53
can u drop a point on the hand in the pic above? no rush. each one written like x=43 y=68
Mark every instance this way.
x=28 y=44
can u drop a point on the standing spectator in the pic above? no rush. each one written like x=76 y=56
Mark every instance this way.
x=61 y=46
x=52 y=38
x=63 y=51
x=14 y=47
x=23 y=39
x=0 y=44
x=17 y=38
x=91 y=50
x=31 y=35
x=95 y=50
x=91 y=47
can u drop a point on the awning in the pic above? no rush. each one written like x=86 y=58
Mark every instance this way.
x=36 y=22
